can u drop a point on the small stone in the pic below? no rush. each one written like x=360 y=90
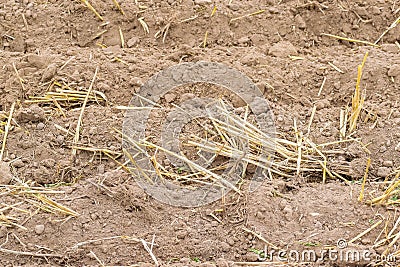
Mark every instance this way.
x=288 y=211
x=397 y=148
x=187 y=96
x=273 y=10
x=230 y=241
x=321 y=104
x=181 y=234
x=391 y=48
x=283 y=49
x=60 y=139
x=314 y=214
x=101 y=169
x=93 y=216
x=260 y=215
x=169 y=97
x=366 y=241
x=133 y=41
x=394 y=71
x=233 y=7
x=135 y=81
x=48 y=163
x=28 y=13
x=18 y=44
x=32 y=114
x=301 y=24
x=237 y=101
x=244 y=40
x=37 y=61
x=3 y=231
x=40 y=126
x=375 y=10
x=251 y=257
x=225 y=246
x=18 y=163
x=383 y=172
x=202 y=2
x=221 y=262
x=39 y=229
x=49 y=72
x=5 y=173
x=388 y=163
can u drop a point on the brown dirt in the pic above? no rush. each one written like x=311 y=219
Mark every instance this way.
x=293 y=213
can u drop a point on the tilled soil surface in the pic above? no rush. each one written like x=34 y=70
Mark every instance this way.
x=279 y=45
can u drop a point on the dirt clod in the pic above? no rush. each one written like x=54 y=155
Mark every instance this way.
x=383 y=172
x=394 y=71
x=33 y=113
x=5 y=173
x=49 y=72
x=283 y=49
x=39 y=229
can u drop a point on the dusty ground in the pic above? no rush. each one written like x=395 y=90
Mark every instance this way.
x=48 y=41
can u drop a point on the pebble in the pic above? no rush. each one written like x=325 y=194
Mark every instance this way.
x=49 y=72
x=375 y=10
x=18 y=163
x=230 y=241
x=288 y=211
x=221 y=262
x=321 y=104
x=391 y=48
x=5 y=173
x=383 y=172
x=234 y=7
x=136 y=81
x=388 y=163
x=133 y=41
x=202 y=2
x=225 y=246
x=101 y=169
x=214 y=223
x=3 y=231
x=260 y=215
x=187 y=96
x=48 y=163
x=394 y=70
x=251 y=257
x=169 y=97
x=39 y=229
x=60 y=139
x=244 y=40
x=300 y=22
x=32 y=114
x=273 y=10
x=37 y=61
x=40 y=126
x=181 y=234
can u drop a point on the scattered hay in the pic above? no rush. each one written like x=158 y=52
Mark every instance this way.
x=283 y=156
x=64 y=96
x=25 y=200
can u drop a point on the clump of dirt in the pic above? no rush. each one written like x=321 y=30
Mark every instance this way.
x=51 y=45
